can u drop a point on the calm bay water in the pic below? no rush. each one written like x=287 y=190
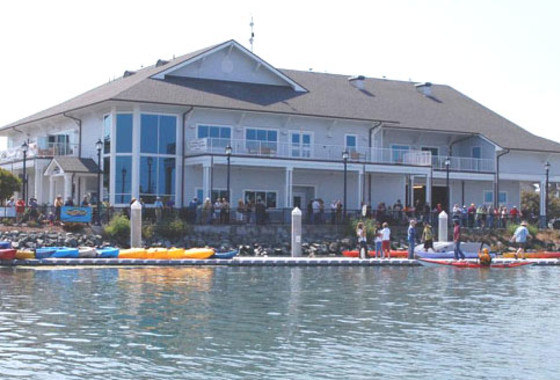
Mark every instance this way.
x=279 y=323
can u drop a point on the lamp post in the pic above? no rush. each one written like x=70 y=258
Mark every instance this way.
x=228 y=156
x=345 y=156
x=447 y=164
x=150 y=163
x=24 y=148
x=122 y=187
x=99 y=147
x=547 y=169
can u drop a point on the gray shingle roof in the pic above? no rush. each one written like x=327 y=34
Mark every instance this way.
x=328 y=96
x=76 y=165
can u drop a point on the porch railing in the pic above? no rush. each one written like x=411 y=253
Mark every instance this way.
x=40 y=150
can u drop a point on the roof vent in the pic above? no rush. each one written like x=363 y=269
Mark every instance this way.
x=161 y=62
x=128 y=73
x=425 y=88
x=357 y=81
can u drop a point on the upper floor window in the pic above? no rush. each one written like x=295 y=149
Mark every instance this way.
x=351 y=143
x=301 y=144
x=158 y=134
x=261 y=140
x=489 y=197
x=218 y=136
x=124 y=133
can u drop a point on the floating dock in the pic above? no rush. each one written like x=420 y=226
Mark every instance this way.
x=241 y=261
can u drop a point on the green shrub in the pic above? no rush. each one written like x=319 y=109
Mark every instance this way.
x=148 y=231
x=119 y=228
x=8 y=222
x=172 y=228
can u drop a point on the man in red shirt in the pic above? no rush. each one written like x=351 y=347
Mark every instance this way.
x=514 y=214
x=20 y=209
x=457 y=241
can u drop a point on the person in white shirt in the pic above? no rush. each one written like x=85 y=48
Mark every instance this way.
x=362 y=239
x=386 y=240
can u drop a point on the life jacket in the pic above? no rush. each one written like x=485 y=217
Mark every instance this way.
x=484 y=257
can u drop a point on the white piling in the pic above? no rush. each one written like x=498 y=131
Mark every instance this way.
x=296 y=232
x=442 y=227
x=136 y=225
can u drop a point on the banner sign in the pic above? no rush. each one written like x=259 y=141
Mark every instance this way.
x=7 y=212
x=76 y=214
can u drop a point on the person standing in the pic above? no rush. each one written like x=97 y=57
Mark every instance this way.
x=362 y=239
x=20 y=210
x=520 y=237
x=428 y=237
x=58 y=207
x=378 y=241
x=457 y=241
x=411 y=237
x=386 y=240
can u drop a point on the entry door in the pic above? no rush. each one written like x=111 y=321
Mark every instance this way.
x=299 y=200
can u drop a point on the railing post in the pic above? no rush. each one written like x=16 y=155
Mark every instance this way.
x=296 y=232
x=136 y=225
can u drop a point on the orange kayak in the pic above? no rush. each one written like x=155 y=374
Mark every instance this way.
x=394 y=253
x=535 y=255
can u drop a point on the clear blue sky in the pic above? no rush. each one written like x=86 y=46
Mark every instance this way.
x=503 y=54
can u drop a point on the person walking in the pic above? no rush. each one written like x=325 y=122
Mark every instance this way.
x=457 y=241
x=411 y=237
x=362 y=239
x=386 y=240
x=520 y=237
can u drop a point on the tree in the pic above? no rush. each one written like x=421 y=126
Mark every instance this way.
x=531 y=201
x=9 y=184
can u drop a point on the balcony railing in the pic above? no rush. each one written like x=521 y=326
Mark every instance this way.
x=334 y=153
x=34 y=150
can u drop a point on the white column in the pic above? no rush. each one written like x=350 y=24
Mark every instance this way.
x=411 y=191
x=542 y=199
x=38 y=182
x=67 y=186
x=206 y=180
x=135 y=175
x=180 y=164
x=428 y=199
x=288 y=191
x=112 y=157
x=360 y=187
x=51 y=195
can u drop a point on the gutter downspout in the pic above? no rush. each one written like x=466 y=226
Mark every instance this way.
x=185 y=114
x=370 y=143
x=497 y=195
x=79 y=123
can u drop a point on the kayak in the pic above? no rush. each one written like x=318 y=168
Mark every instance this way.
x=198 y=253
x=87 y=252
x=226 y=255
x=534 y=255
x=108 y=252
x=394 y=253
x=22 y=254
x=166 y=254
x=8 y=254
x=473 y=264
x=66 y=253
x=133 y=253
x=43 y=253
x=5 y=244
x=447 y=255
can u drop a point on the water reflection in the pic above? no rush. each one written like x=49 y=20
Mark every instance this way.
x=260 y=322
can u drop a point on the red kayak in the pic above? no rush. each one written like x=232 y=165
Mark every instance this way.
x=394 y=253
x=8 y=254
x=473 y=264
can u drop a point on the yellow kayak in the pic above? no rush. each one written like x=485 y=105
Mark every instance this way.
x=166 y=254
x=198 y=253
x=25 y=254
x=134 y=253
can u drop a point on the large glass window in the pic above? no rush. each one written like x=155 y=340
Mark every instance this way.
x=489 y=197
x=107 y=121
x=123 y=173
x=124 y=133
x=301 y=144
x=219 y=136
x=106 y=177
x=157 y=177
x=158 y=134
x=261 y=140
x=268 y=197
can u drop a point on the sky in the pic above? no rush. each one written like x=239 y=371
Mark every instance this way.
x=502 y=53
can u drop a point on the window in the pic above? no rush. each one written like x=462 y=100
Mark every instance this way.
x=218 y=136
x=399 y=152
x=124 y=133
x=301 y=144
x=489 y=197
x=158 y=134
x=157 y=177
x=107 y=120
x=59 y=144
x=476 y=154
x=434 y=152
x=123 y=172
x=106 y=177
x=268 y=197
x=261 y=140
x=351 y=143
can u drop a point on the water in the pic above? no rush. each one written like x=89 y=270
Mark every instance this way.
x=279 y=323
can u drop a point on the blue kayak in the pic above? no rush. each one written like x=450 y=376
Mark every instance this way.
x=66 y=253
x=45 y=252
x=225 y=255
x=5 y=244
x=108 y=252
x=447 y=255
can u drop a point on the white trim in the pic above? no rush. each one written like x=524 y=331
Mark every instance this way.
x=230 y=44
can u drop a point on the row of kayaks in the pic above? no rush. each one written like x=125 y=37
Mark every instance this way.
x=110 y=252
x=451 y=255
x=473 y=264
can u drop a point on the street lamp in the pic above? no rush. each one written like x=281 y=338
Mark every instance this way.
x=547 y=169
x=447 y=164
x=24 y=148
x=122 y=187
x=228 y=156
x=345 y=156
x=99 y=147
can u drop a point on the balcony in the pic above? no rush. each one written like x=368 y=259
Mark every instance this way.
x=48 y=150
x=321 y=152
